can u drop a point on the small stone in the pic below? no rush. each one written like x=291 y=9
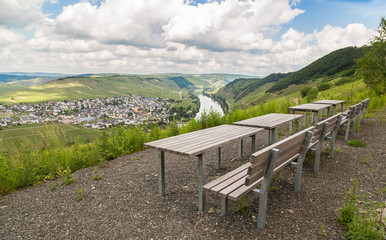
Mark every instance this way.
x=1 y=207
x=291 y=211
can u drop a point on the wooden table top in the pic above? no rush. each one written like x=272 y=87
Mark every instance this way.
x=268 y=121
x=310 y=107
x=333 y=102
x=195 y=143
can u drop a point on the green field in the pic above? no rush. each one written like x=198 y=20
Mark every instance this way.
x=109 y=85
x=38 y=135
x=8 y=87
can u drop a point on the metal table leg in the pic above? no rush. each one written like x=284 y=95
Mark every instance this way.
x=201 y=182
x=161 y=173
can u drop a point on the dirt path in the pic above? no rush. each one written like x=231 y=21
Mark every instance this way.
x=124 y=203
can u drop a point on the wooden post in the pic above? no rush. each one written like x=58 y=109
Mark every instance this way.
x=161 y=173
x=319 y=147
x=299 y=165
x=316 y=117
x=268 y=172
x=201 y=183
x=218 y=158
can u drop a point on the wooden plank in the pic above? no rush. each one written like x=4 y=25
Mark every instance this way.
x=226 y=176
x=214 y=145
x=199 y=140
x=187 y=136
x=198 y=143
x=250 y=178
x=269 y=121
x=229 y=181
x=226 y=191
x=310 y=107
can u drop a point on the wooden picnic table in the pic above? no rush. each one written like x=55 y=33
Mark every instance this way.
x=195 y=144
x=269 y=122
x=312 y=107
x=334 y=103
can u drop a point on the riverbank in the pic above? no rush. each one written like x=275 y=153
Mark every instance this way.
x=206 y=105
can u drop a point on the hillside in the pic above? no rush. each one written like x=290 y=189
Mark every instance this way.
x=108 y=85
x=27 y=78
x=340 y=63
x=333 y=66
x=248 y=87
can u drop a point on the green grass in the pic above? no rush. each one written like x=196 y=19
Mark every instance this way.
x=36 y=135
x=9 y=87
x=356 y=143
x=361 y=222
x=93 y=87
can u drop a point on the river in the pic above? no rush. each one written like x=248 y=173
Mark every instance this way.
x=206 y=104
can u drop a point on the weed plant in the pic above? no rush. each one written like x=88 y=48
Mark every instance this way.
x=79 y=194
x=361 y=222
x=356 y=143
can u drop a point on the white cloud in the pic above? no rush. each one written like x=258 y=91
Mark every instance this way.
x=20 y=13
x=167 y=36
x=230 y=25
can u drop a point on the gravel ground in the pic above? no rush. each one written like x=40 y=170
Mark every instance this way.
x=124 y=203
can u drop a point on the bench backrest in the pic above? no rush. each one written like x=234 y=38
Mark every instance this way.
x=289 y=149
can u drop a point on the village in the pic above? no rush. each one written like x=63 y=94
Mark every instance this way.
x=92 y=113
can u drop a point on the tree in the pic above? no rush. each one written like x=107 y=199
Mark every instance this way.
x=372 y=66
x=312 y=95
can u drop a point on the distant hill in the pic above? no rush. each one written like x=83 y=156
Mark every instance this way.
x=242 y=87
x=108 y=85
x=28 y=78
x=338 y=63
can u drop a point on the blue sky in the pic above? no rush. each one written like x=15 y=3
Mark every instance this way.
x=148 y=36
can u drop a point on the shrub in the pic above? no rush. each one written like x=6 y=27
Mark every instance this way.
x=312 y=95
x=304 y=91
x=324 y=86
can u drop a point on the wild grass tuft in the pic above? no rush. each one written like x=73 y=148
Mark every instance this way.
x=362 y=222
x=356 y=143
x=79 y=194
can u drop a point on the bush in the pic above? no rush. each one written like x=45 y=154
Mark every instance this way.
x=304 y=91
x=343 y=81
x=324 y=86
x=312 y=95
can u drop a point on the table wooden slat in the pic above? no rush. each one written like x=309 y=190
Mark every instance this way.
x=195 y=143
x=269 y=121
x=310 y=107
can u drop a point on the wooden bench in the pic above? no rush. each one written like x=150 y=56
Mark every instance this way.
x=322 y=131
x=355 y=114
x=259 y=170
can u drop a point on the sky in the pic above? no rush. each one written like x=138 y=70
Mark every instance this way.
x=252 y=37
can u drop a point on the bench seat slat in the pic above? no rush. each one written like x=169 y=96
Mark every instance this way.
x=219 y=180
x=229 y=181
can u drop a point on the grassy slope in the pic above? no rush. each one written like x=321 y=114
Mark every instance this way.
x=7 y=87
x=329 y=68
x=34 y=135
x=338 y=63
x=101 y=87
x=107 y=85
